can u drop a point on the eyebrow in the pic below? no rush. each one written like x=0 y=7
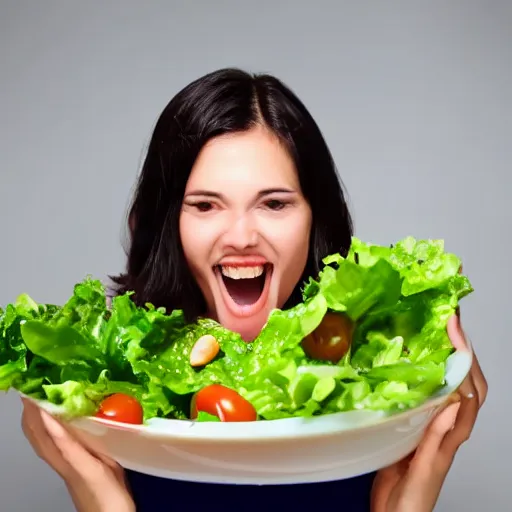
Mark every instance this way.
x=261 y=193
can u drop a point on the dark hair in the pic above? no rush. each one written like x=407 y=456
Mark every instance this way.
x=225 y=101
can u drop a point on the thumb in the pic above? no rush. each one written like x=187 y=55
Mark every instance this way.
x=71 y=450
x=456 y=334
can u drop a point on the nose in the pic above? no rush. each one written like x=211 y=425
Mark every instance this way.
x=241 y=233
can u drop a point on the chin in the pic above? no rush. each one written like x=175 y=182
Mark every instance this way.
x=249 y=328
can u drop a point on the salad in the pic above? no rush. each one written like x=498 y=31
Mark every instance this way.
x=369 y=334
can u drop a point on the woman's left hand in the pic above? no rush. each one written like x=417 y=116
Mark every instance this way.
x=414 y=484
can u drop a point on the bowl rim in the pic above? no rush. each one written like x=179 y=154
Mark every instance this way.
x=458 y=366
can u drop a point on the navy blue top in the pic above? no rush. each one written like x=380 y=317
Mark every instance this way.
x=154 y=494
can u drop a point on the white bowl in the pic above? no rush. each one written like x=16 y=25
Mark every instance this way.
x=292 y=450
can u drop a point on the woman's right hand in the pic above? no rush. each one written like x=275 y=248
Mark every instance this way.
x=95 y=484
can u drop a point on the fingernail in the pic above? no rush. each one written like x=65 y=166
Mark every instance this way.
x=54 y=428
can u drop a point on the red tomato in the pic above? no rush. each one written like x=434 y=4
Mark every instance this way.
x=331 y=340
x=122 y=408
x=223 y=402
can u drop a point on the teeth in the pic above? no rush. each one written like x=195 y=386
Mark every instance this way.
x=241 y=272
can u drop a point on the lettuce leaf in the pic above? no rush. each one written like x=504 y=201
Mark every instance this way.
x=399 y=299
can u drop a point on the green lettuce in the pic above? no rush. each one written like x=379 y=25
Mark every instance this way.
x=399 y=299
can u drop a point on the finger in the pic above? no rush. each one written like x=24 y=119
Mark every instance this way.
x=80 y=457
x=399 y=468
x=429 y=446
x=74 y=448
x=55 y=444
x=117 y=469
x=458 y=339
x=466 y=417
x=35 y=431
x=33 y=426
x=479 y=380
x=83 y=461
x=456 y=334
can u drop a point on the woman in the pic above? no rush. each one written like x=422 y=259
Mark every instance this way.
x=237 y=203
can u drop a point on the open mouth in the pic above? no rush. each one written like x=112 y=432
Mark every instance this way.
x=245 y=285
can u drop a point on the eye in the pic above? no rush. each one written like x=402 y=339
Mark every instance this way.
x=203 y=206
x=275 y=204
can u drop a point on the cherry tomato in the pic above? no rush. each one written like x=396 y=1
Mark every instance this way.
x=331 y=340
x=122 y=408
x=223 y=402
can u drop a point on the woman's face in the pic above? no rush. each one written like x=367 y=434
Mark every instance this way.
x=245 y=228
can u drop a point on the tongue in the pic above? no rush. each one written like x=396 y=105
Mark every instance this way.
x=244 y=292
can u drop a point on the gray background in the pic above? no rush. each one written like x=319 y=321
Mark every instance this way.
x=413 y=97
